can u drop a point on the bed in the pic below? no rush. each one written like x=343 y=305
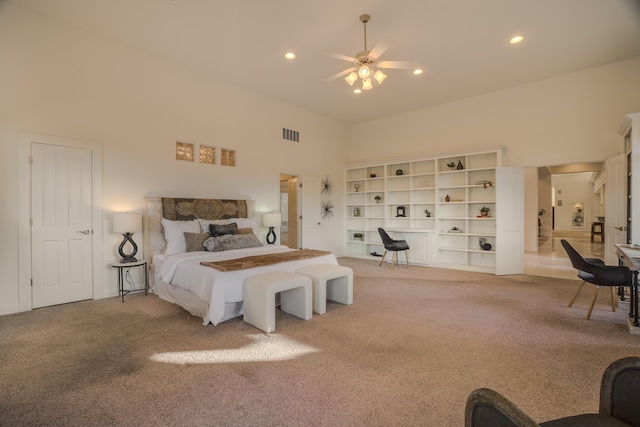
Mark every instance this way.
x=179 y=277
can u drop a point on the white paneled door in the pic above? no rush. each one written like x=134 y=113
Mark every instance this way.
x=311 y=215
x=61 y=231
x=615 y=225
x=510 y=220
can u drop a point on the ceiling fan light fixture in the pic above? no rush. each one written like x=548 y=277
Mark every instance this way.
x=351 y=78
x=364 y=72
x=366 y=64
x=379 y=76
x=417 y=72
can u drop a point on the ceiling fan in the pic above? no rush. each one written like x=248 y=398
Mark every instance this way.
x=367 y=63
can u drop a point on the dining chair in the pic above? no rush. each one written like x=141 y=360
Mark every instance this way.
x=595 y=271
x=395 y=246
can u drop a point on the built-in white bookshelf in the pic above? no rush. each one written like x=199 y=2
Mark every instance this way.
x=435 y=204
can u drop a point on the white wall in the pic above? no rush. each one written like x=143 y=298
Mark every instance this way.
x=567 y=119
x=531 y=210
x=544 y=201
x=574 y=188
x=55 y=80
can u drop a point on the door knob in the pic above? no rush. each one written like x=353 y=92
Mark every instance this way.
x=620 y=228
x=85 y=232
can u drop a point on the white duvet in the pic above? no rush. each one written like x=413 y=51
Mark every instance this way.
x=217 y=287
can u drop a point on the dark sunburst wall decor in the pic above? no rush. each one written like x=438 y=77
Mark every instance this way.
x=326 y=207
x=327 y=186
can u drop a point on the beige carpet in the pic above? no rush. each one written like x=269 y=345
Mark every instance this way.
x=408 y=352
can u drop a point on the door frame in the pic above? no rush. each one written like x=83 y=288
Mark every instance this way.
x=24 y=213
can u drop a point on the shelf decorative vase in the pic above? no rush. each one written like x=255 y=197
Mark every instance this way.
x=447 y=198
x=460 y=167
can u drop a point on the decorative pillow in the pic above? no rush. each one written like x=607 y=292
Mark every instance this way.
x=195 y=241
x=221 y=230
x=231 y=241
x=205 y=223
x=174 y=234
x=247 y=222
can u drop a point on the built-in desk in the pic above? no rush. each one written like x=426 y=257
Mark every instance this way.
x=420 y=243
x=629 y=256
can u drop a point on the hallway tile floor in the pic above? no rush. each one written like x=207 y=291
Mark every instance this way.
x=552 y=260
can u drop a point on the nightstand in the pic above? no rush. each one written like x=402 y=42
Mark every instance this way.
x=122 y=266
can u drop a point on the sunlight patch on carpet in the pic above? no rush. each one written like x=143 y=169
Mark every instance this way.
x=265 y=348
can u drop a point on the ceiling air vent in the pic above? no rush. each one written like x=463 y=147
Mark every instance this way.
x=291 y=135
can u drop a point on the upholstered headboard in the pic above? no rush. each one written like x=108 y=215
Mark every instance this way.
x=156 y=208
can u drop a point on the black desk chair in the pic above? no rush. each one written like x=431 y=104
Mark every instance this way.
x=594 y=271
x=619 y=403
x=395 y=246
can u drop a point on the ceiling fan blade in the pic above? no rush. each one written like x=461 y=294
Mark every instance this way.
x=379 y=49
x=396 y=64
x=343 y=57
x=340 y=74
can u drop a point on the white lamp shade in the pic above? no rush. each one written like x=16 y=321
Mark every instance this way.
x=127 y=222
x=351 y=78
x=271 y=220
x=379 y=76
x=366 y=84
x=364 y=72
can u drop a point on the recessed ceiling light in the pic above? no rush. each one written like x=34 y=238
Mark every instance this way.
x=417 y=71
x=290 y=55
x=357 y=90
x=516 y=39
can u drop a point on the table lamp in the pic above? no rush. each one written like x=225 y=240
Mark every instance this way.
x=127 y=224
x=271 y=220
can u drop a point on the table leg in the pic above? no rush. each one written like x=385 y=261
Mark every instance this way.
x=121 y=283
x=146 y=279
x=634 y=299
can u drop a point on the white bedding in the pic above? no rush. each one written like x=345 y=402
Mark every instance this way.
x=215 y=287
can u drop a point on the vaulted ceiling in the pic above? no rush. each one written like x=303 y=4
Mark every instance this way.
x=462 y=45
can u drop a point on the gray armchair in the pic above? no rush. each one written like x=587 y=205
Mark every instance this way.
x=619 y=403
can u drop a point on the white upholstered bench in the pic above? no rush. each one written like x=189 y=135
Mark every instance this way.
x=330 y=282
x=259 y=295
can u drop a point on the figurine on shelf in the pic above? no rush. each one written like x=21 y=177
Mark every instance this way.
x=451 y=165
x=427 y=213
x=447 y=198
x=356 y=187
x=460 y=167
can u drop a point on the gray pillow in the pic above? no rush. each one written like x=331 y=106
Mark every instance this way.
x=231 y=241
x=195 y=241
x=221 y=230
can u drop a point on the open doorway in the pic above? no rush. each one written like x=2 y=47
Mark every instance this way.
x=289 y=231
x=568 y=200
